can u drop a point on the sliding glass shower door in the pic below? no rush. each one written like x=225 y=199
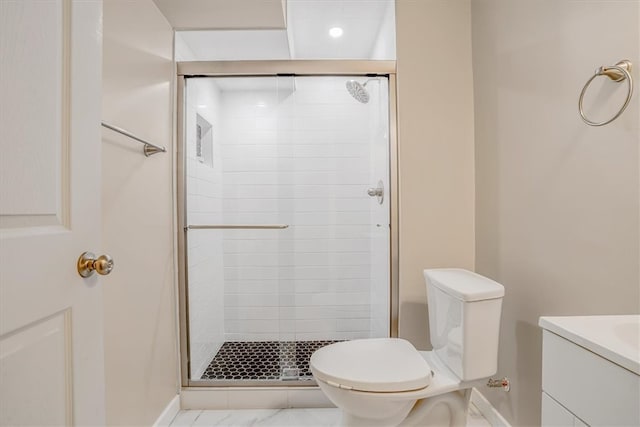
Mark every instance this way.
x=286 y=221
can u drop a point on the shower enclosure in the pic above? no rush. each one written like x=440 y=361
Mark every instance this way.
x=286 y=206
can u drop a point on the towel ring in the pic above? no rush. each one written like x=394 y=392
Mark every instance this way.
x=617 y=73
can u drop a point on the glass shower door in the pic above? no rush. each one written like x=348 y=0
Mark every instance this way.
x=286 y=249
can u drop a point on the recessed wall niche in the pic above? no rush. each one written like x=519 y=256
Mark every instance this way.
x=204 y=141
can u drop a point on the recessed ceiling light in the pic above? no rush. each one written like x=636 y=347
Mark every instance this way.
x=202 y=105
x=336 y=32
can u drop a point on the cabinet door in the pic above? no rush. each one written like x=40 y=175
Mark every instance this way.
x=554 y=414
x=596 y=390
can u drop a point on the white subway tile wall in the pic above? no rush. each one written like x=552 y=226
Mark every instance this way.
x=205 y=248
x=380 y=236
x=300 y=153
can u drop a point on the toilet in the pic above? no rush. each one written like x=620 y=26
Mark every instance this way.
x=387 y=382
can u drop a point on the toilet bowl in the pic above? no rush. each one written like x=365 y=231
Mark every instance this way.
x=387 y=382
x=377 y=382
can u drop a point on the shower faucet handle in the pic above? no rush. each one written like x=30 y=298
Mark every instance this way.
x=377 y=192
x=374 y=192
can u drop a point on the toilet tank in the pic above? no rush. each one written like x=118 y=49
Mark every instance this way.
x=464 y=320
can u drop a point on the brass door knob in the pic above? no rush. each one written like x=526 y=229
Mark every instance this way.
x=88 y=264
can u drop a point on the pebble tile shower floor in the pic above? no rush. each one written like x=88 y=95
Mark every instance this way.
x=263 y=360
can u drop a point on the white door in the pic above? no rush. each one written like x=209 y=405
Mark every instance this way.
x=51 y=350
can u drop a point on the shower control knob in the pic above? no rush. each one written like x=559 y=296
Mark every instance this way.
x=377 y=192
x=88 y=264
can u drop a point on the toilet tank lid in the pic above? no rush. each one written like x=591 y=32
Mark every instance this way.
x=463 y=284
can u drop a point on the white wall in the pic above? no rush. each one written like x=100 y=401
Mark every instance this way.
x=384 y=47
x=140 y=322
x=204 y=201
x=183 y=52
x=436 y=163
x=380 y=246
x=557 y=200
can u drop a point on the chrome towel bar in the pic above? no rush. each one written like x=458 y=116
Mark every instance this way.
x=149 y=148
x=237 y=227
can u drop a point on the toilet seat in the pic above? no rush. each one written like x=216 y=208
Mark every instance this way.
x=372 y=365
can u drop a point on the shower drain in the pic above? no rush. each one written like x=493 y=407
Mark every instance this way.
x=290 y=374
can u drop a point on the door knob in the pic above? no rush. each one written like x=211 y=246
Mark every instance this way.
x=88 y=264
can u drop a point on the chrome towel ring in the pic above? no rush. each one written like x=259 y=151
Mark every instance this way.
x=619 y=72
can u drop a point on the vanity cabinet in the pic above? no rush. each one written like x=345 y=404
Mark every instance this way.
x=581 y=385
x=554 y=414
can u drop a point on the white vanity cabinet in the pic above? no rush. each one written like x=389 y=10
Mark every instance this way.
x=591 y=371
x=554 y=414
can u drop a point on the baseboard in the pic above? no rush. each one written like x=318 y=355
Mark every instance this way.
x=253 y=398
x=487 y=410
x=169 y=413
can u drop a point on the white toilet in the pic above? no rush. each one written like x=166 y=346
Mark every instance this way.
x=387 y=382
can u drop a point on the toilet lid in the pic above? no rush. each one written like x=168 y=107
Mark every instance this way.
x=376 y=365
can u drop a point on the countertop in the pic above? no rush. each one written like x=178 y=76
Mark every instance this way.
x=616 y=338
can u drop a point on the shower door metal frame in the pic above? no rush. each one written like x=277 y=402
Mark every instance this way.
x=287 y=68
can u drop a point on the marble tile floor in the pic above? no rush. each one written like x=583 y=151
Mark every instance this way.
x=315 y=417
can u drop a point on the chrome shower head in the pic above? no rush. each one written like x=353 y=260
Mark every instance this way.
x=357 y=90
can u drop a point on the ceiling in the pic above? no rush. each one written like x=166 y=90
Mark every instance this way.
x=306 y=35
x=223 y=14
x=309 y=22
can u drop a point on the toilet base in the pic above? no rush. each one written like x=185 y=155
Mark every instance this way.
x=385 y=416
x=449 y=409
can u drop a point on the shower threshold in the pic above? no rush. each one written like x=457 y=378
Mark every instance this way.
x=263 y=361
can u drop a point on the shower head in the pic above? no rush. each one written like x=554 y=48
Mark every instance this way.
x=357 y=90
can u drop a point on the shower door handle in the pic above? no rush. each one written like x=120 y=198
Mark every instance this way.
x=237 y=227
x=377 y=192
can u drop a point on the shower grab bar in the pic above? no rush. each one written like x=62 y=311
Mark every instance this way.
x=149 y=148
x=237 y=227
